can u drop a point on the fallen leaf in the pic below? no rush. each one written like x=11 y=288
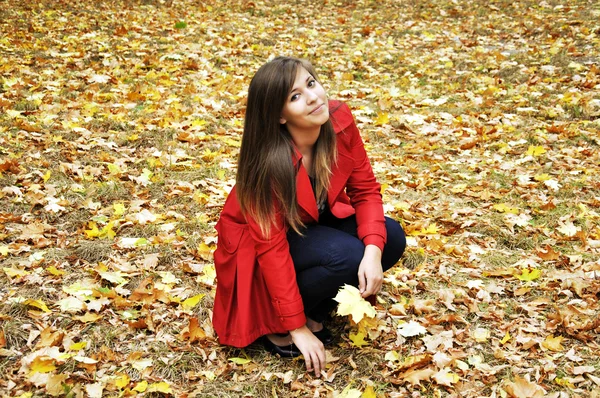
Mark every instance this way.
x=410 y=329
x=415 y=377
x=358 y=339
x=528 y=275
x=240 y=361
x=351 y=303
x=548 y=254
x=191 y=302
x=553 y=343
x=446 y=378
x=522 y=388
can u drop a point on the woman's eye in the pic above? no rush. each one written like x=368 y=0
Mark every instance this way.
x=311 y=83
x=294 y=97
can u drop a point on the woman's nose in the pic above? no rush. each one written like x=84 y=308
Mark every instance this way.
x=311 y=96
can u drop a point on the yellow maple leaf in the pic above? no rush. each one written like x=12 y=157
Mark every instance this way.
x=535 y=150
x=141 y=386
x=162 y=386
x=108 y=232
x=528 y=275
x=358 y=339
x=119 y=209
x=208 y=275
x=54 y=271
x=369 y=393
x=114 y=169
x=542 y=177
x=191 y=302
x=382 y=118
x=38 y=304
x=78 y=346
x=351 y=303
x=383 y=188
x=502 y=208
x=42 y=365
x=4 y=250
x=15 y=272
x=93 y=232
x=506 y=337
x=564 y=382
x=121 y=380
x=46 y=176
x=553 y=343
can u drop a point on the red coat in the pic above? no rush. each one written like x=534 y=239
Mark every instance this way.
x=257 y=293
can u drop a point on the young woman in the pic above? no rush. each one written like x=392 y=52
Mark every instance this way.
x=304 y=218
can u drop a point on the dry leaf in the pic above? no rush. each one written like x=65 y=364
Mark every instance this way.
x=415 y=377
x=522 y=388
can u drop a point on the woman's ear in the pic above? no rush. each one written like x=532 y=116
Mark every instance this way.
x=282 y=120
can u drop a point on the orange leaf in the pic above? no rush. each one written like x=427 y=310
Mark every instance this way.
x=48 y=338
x=193 y=332
x=548 y=254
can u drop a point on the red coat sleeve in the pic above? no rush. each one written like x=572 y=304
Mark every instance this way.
x=277 y=268
x=363 y=189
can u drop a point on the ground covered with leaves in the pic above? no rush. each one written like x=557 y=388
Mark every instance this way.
x=120 y=125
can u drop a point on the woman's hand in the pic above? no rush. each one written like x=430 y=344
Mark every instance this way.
x=311 y=348
x=370 y=272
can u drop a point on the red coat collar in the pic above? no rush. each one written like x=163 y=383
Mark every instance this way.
x=341 y=118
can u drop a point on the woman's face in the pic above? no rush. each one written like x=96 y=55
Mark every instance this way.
x=306 y=105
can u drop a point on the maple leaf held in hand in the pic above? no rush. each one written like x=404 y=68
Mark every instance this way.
x=351 y=303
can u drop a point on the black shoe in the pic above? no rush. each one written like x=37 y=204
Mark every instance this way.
x=287 y=351
x=324 y=335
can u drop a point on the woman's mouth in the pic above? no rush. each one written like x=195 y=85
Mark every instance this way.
x=317 y=110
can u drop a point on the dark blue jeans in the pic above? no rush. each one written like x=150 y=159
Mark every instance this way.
x=328 y=256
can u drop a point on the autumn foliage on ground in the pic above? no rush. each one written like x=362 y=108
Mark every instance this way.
x=120 y=125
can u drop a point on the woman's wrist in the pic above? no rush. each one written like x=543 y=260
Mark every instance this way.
x=298 y=330
x=373 y=251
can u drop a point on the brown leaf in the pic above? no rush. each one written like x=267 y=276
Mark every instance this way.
x=523 y=388
x=54 y=385
x=424 y=306
x=33 y=231
x=193 y=332
x=415 y=377
x=121 y=30
x=10 y=165
x=88 y=317
x=137 y=324
x=48 y=338
x=548 y=254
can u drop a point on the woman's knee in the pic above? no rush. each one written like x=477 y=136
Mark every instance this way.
x=395 y=244
x=345 y=255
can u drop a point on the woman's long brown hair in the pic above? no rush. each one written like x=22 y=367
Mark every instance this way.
x=266 y=177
